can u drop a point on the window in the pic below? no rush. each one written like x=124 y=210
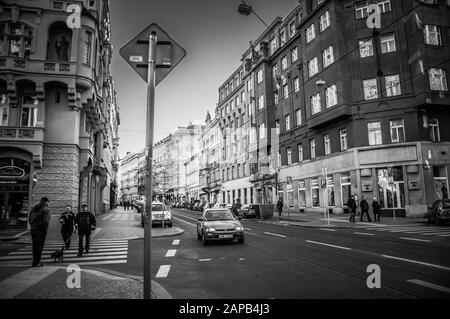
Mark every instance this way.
x=273 y=45
x=249 y=85
x=365 y=48
x=310 y=33
x=324 y=21
x=434 y=130
x=232 y=104
x=438 y=79
x=327 y=144
x=262 y=131
x=384 y=5
x=282 y=37
x=313 y=67
x=294 y=54
x=300 y=152
x=312 y=148
x=287 y=123
x=361 y=9
x=296 y=84
x=261 y=102
x=346 y=185
x=237 y=100
x=4 y=115
x=374 y=129
x=231 y=86
x=279 y=159
x=274 y=70
x=284 y=63
x=28 y=116
x=242 y=96
x=277 y=126
x=331 y=96
x=330 y=190
x=328 y=56
x=393 y=85
x=298 y=117
x=343 y=139
x=260 y=76
x=370 y=89
x=289 y=155
x=87 y=48
x=285 y=91
x=315 y=192
x=301 y=193
x=387 y=43
x=18 y=38
x=292 y=29
x=432 y=35
x=275 y=96
x=397 y=131
x=316 y=106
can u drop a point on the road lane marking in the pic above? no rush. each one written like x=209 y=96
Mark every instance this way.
x=435 y=233
x=11 y=287
x=206 y=259
x=318 y=243
x=416 y=239
x=187 y=217
x=175 y=242
x=365 y=234
x=327 y=229
x=417 y=262
x=273 y=234
x=163 y=271
x=185 y=221
x=444 y=235
x=246 y=228
x=429 y=285
x=171 y=253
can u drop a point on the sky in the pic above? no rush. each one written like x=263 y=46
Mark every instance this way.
x=214 y=35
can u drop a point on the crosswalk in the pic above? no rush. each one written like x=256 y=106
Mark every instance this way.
x=102 y=251
x=423 y=230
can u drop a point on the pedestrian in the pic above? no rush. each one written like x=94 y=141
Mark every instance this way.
x=376 y=209
x=351 y=204
x=85 y=222
x=364 y=209
x=67 y=220
x=39 y=220
x=280 y=206
x=236 y=206
x=444 y=191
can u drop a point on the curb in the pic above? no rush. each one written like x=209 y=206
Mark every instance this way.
x=177 y=231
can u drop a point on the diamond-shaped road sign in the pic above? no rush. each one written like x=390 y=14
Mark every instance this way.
x=168 y=53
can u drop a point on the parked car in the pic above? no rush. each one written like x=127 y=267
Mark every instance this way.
x=439 y=212
x=247 y=211
x=218 y=224
x=192 y=204
x=161 y=215
x=202 y=205
x=195 y=207
x=229 y=206
x=220 y=205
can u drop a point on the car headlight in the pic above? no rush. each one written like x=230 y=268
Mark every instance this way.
x=210 y=229
x=239 y=228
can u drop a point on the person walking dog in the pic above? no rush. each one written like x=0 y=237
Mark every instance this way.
x=39 y=220
x=67 y=224
x=85 y=222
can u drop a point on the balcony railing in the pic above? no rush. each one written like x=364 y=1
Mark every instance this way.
x=22 y=133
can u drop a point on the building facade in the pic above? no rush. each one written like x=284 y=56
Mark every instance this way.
x=332 y=108
x=59 y=112
x=132 y=176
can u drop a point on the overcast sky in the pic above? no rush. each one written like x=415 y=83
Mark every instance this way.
x=214 y=35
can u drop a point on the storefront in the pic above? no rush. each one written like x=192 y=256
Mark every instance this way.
x=14 y=192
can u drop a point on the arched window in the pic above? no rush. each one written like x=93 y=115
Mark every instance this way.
x=15 y=39
x=59 y=42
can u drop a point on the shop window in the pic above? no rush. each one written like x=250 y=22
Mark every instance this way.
x=440 y=182
x=315 y=192
x=391 y=187
x=346 y=187
x=330 y=190
x=301 y=194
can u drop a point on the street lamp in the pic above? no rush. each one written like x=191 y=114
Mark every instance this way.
x=245 y=9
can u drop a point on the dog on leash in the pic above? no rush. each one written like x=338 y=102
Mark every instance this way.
x=58 y=254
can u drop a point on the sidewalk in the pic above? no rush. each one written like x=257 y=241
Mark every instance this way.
x=339 y=220
x=53 y=282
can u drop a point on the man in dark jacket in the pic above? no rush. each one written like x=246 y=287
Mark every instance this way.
x=280 y=206
x=376 y=209
x=67 y=220
x=39 y=220
x=236 y=206
x=351 y=204
x=85 y=222
x=364 y=209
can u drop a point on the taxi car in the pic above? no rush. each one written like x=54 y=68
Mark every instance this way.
x=219 y=224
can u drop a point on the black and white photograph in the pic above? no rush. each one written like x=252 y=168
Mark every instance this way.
x=225 y=155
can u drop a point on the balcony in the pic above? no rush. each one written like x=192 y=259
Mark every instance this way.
x=38 y=66
x=22 y=134
x=329 y=115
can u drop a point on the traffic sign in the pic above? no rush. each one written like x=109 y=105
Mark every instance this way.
x=168 y=53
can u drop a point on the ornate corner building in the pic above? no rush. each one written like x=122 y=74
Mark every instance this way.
x=58 y=110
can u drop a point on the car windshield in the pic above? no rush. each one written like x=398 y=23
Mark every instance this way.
x=219 y=215
x=157 y=207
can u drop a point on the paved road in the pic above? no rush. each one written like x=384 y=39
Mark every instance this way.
x=280 y=261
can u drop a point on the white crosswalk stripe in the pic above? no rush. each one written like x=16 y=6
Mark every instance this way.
x=423 y=230
x=101 y=251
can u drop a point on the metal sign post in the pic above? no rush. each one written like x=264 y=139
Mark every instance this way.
x=152 y=59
